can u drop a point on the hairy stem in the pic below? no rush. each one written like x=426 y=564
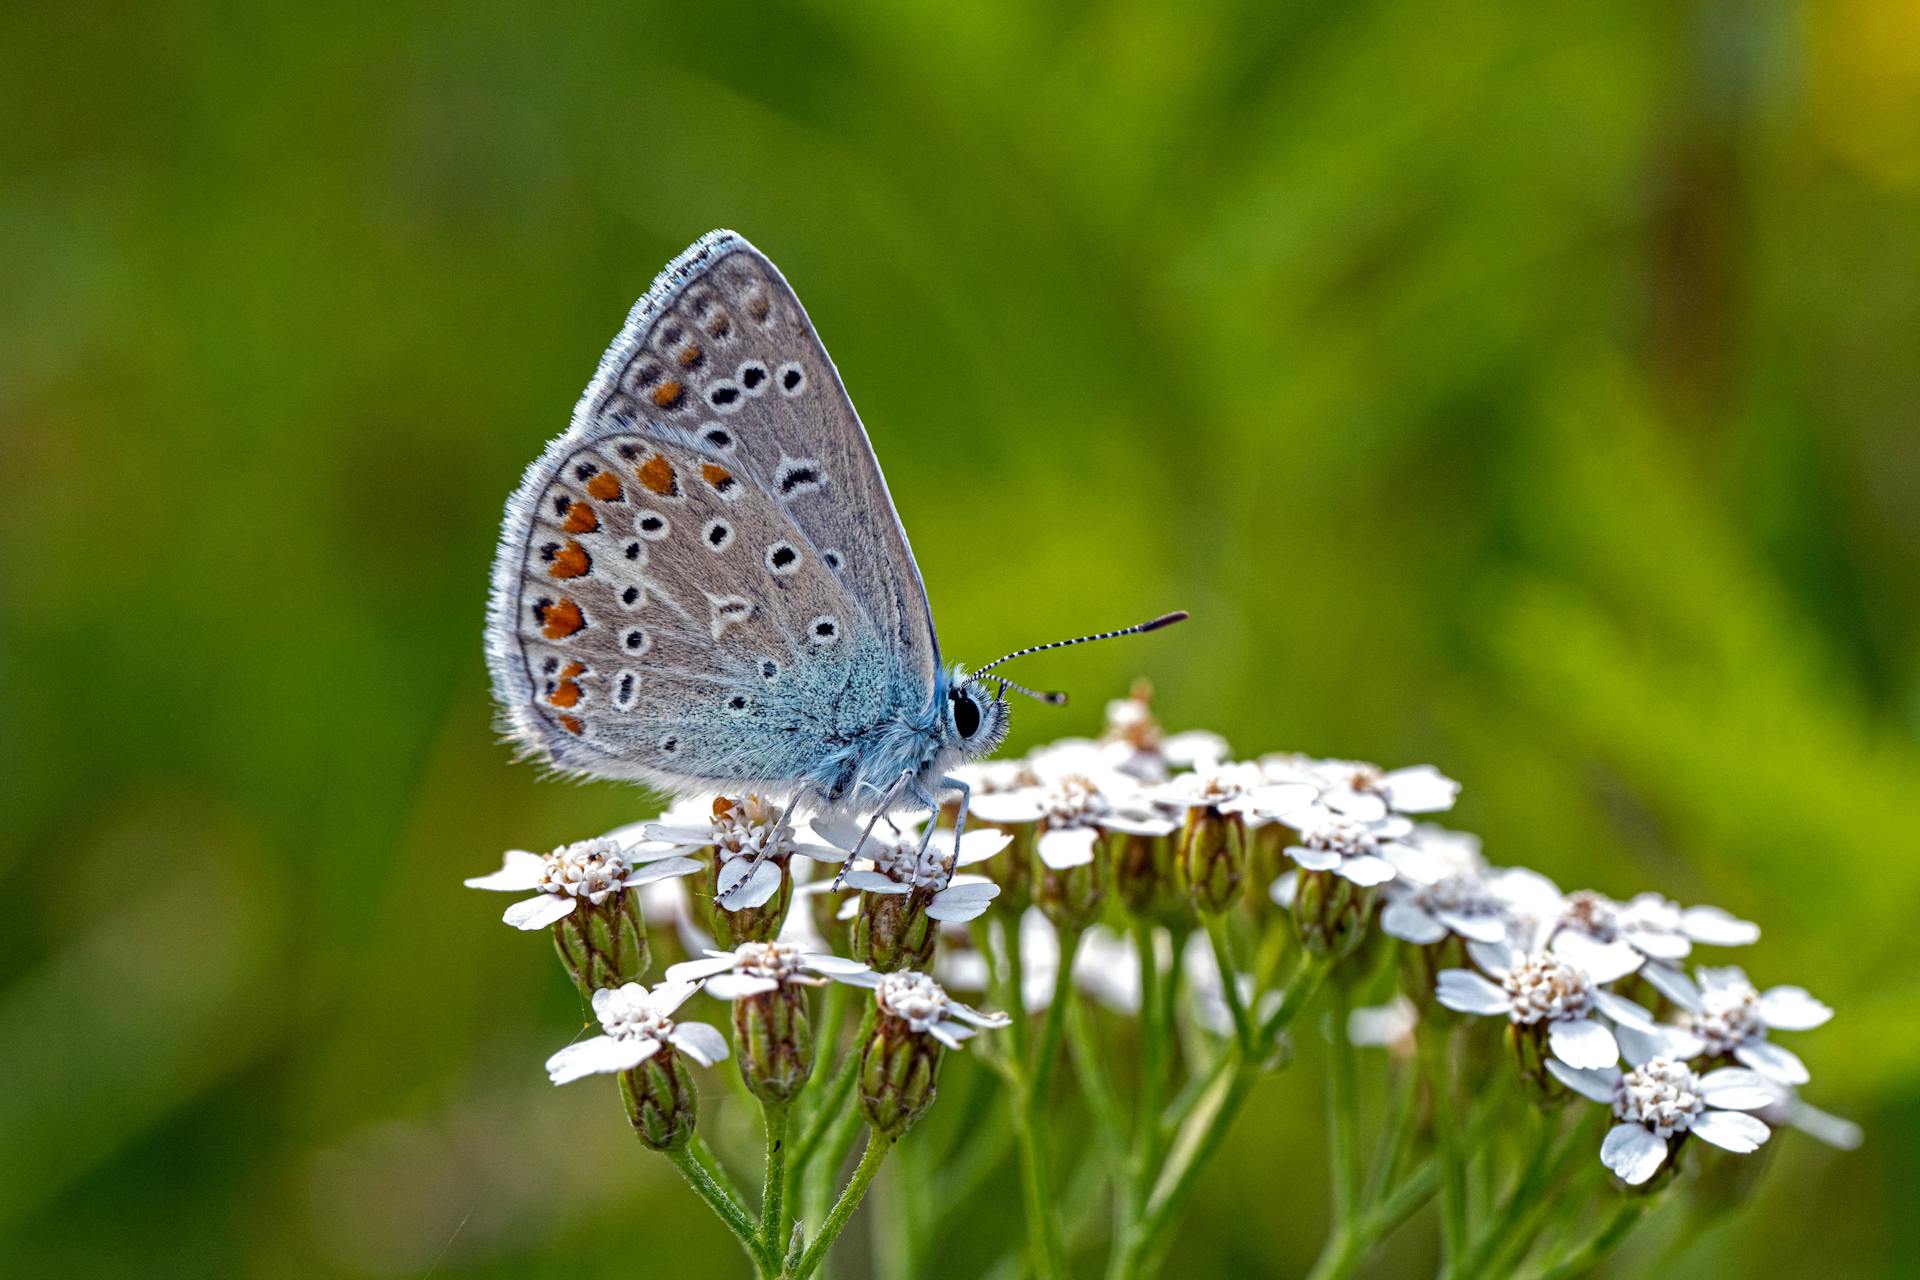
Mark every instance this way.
x=837 y=1217
x=774 y=1219
x=726 y=1208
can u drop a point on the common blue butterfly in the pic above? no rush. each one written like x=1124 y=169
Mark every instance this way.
x=703 y=585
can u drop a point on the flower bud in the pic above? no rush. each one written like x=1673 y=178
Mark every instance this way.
x=1332 y=913
x=893 y=931
x=773 y=1036
x=603 y=944
x=1146 y=877
x=899 y=1071
x=1212 y=857
x=661 y=1103
x=748 y=924
x=1070 y=895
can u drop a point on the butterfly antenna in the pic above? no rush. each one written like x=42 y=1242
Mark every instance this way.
x=1164 y=620
x=1052 y=697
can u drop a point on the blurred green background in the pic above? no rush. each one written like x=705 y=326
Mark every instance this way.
x=1529 y=391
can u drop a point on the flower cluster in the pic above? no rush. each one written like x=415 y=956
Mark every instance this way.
x=1141 y=871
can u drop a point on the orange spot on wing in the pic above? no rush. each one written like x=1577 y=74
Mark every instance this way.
x=656 y=475
x=690 y=356
x=604 y=486
x=581 y=518
x=714 y=474
x=566 y=694
x=668 y=394
x=562 y=619
x=572 y=725
x=573 y=669
x=571 y=561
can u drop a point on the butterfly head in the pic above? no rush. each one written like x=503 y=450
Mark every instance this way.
x=976 y=721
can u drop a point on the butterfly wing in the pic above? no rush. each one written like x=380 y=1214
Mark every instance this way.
x=704 y=580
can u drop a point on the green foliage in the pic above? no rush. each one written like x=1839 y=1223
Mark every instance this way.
x=1530 y=389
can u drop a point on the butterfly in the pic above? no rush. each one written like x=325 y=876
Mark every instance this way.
x=703 y=584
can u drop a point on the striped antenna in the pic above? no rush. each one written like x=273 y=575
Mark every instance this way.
x=1164 y=620
x=1053 y=697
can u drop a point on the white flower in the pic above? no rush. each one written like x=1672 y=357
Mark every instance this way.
x=918 y=1001
x=1732 y=1017
x=1364 y=791
x=1538 y=986
x=1365 y=852
x=754 y=968
x=1663 y=1098
x=895 y=863
x=1648 y=924
x=1073 y=807
x=1444 y=891
x=1243 y=790
x=740 y=830
x=587 y=869
x=1134 y=743
x=637 y=1023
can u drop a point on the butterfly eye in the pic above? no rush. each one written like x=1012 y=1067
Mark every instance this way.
x=966 y=715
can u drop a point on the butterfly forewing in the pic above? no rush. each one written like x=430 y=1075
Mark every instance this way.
x=704 y=580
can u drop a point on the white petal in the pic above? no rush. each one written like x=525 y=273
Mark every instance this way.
x=736 y=986
x=1421 y=789
x=1674 y=985
x=971 y=891
x=1623 y=1011
x=697 y=970
x=600 y=1055
x=1595 y=1086
x=667 y=833
x=1602 y=961
x=1718 y=928
x=1640 y=1046
x=1474 y=928
x=518 y=870
x=1792 y=1009
x=539 y=911
x=867 y=880
x=1633 y=1153
x=1497 y=957
x=1581 y=1042
x=837 y=829
x=1067 y=847
x=754 y=890
x=1361 y=806
x=1137 y=825
x=979 y=845
x=948 y=1034
x=1314 y=859
x=1413 y=862
x=1404 y=920
x=1365 y=870
x=1282 y=891
x=831 y=965
x=1772 y=1061
x=1010 y=807
x=1726 y=977
x=1468 y=992
x=668 y=996
x=1194 y=748
x=1382 y=1026
x=955 y=912
x=1732 y=1088
x=1658 y=945
x=1731 y=1131
x=1841 y=1134
x=819 y=852
x=664 y=869
x=1280 y=799
x=699 y=1041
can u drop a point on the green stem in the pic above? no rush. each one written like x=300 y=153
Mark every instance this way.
x=1527 y=1189
x=1090 y=1070
x=1534 y=1207
x=1243 y=1028
x=774 y=1220
x=1453 y=1169
x=850 y=1197
x=1343 y=1118
x=833 y=1102
x=1205 y=1128
x=725 y=1207
x=1031 y=1131
x=717 y=1171
x=1611 y=1235
x=1394 y=1136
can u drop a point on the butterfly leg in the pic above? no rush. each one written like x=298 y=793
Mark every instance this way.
x=927 y=798
x=886 y=802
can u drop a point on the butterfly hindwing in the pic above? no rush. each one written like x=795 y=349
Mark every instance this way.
x=704 y=580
